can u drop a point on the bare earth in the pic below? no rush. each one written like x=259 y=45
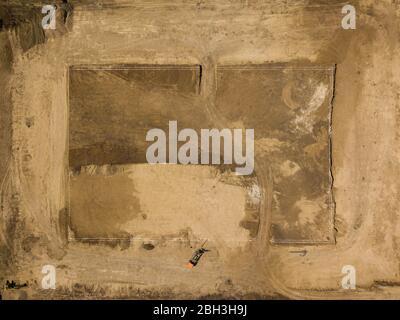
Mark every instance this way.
x=76 y=190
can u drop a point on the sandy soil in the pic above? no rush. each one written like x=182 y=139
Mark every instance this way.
x=358 y=168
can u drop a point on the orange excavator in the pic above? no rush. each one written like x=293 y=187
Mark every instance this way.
x=194 y=260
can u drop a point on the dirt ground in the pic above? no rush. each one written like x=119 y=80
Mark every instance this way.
x=76 y=189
